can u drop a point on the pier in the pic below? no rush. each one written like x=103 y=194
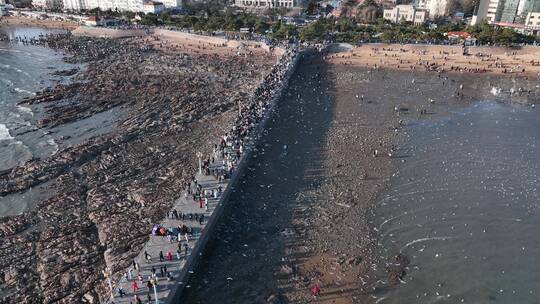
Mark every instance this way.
x=161 y=270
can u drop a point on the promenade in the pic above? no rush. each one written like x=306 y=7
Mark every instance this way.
x=164 y=256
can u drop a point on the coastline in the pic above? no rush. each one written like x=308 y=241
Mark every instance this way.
x=169 y=121
x=343 y=187
x=32 y=22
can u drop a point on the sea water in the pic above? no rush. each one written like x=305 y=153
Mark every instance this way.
x=24 y=69
x=463 y=205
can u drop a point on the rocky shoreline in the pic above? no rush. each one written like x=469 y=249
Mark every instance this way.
x=110 y=189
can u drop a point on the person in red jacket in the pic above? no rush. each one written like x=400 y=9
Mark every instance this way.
x=135 y=286
x=316 y=290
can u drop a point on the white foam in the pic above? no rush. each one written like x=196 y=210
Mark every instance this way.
x=25 y=110
x=440 y=238
x=52 y=143
x=19 y=90
x=4 y=132
x=495 y=91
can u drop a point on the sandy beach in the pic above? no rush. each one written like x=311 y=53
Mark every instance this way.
x=523 y=61
x=32 y=22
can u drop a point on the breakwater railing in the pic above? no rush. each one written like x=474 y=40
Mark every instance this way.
x=163 y=267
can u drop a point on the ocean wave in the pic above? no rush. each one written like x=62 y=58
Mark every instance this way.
x=4 y=132
x=53 y=143
x=9 y=50
x=19 y=90
x=8 y=82
x=25 y=110
x=7 y=66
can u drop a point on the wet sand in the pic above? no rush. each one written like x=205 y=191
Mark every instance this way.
x=304 y=212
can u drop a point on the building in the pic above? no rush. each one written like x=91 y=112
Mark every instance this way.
x=405 y=13
x=3 y=9
x=48 y=4
x=263 y=4
x=533 y=20
x=488 y=10
x=171 y=3
x=504 y=11
x=74 y=5
x=532 y=23
x=435 y=8
x=104 y=5
x=151 y=7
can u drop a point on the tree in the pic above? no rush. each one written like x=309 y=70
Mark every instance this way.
x=312 y=7
x=468 y=7
x=454 y=6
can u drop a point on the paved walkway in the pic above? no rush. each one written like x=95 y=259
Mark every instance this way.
x=186 y=206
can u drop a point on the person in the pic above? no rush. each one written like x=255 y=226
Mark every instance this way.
x=138 y=300
x=135 y=286
x=149 y=285
x=121 y=292
x=161 y=258
x=169 y=256
x=316 y=290
x=147 y=257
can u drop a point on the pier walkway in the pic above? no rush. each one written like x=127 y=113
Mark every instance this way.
x=166 y=270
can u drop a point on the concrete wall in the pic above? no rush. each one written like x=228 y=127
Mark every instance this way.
x=206 y=233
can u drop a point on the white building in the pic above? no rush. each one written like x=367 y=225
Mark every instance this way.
x=405 y=12
x=437 y=8
x=151 y=7
x=114 y=5
x=171 y=3
x=74 y=5
x=533 y=20
x=263 y=4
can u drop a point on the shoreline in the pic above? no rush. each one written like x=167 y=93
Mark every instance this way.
x=166 y=118
x=522 y=61
x=21 y=21
x=359 y=127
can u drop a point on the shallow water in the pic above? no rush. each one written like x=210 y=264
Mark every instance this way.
x=463 y=206
x=24 y=69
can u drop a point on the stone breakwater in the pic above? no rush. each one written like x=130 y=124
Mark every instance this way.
x=108 y=191
x=234 y=147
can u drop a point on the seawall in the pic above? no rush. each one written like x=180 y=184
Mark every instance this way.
x=206 y=234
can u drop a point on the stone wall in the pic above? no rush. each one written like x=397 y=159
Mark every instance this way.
x=206 y=233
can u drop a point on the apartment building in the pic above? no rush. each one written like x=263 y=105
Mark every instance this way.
x=406 y=13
